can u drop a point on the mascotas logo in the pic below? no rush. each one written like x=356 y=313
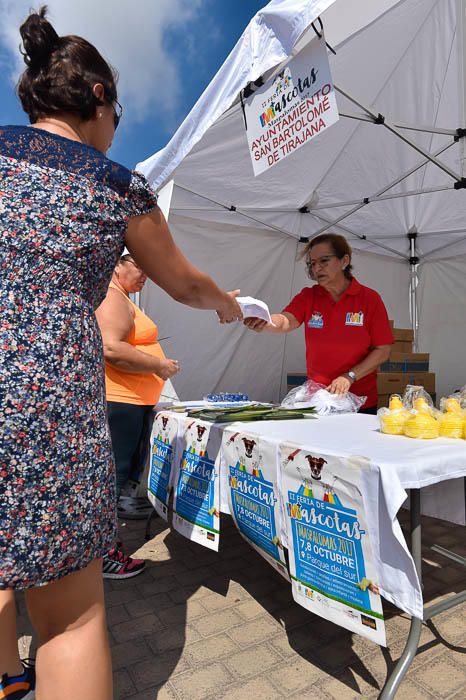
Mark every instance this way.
x=354 y=318
x=287 y=94
x=316 y=320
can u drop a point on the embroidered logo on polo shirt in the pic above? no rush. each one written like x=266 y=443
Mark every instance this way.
x=355 y=318
x=316 y=320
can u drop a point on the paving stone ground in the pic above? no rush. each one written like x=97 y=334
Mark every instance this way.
x=199 y=625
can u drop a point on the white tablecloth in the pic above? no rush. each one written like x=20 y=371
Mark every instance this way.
x=396 y=464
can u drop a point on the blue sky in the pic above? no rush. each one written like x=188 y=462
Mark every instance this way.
x=165 y=51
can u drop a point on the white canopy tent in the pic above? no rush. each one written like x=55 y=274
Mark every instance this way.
x=376 y=183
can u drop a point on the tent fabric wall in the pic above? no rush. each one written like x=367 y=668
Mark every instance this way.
x=442 y=320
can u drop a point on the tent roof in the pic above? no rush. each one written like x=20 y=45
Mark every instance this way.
x=386 y=63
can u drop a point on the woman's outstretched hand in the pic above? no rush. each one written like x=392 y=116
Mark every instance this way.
x=230 y=310
x=255 y=324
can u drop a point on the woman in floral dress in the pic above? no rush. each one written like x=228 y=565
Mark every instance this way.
x=66 y=212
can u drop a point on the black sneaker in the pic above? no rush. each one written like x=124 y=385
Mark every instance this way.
x=19 y=687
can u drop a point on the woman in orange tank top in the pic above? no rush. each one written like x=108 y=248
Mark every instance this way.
x=135 y=372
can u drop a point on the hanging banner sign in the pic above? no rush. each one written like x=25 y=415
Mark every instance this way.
x=162 y=454
x=251 y=465
x=196 y=502
x=290 y=110
x=330 y=556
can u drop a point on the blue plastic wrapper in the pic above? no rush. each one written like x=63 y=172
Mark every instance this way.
x=226 y=397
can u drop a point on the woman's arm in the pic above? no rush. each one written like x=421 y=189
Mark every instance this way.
x=153 y=248
x=115 y=320
x=376 y=357
x=282 y=323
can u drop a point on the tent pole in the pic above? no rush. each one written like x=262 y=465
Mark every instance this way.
x=461 y=36
x=413 y=263
x=409 y=127
x=379 y=119
x=381 y=197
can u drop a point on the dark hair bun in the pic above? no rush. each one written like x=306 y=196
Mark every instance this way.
x=39 y=39
x=61 y=72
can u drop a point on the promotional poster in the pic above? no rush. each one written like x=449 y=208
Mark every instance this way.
x=197 y=488
x=330 y=555
x=251 y=465
x=162 y=454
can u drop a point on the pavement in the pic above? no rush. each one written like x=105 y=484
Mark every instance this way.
x=199 y=625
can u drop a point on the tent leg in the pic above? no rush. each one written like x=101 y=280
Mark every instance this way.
x=413 y=262
x=393 y=682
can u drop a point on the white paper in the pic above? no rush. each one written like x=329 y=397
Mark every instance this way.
x=254 y=308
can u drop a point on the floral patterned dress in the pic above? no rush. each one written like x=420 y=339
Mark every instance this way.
x=64 y=209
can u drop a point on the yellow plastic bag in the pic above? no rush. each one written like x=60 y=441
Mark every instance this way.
x=392 y=420
x=422 y=424
x=452 y=424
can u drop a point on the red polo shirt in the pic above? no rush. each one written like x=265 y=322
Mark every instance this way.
x=340 y=334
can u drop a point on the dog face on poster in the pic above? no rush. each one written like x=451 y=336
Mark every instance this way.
x=314 y=473
x=197 y=437
x=249 y=456
x=165 y=428
x=311 y=469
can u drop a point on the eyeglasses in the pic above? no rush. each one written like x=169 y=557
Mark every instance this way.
x=117 y=112
x=320 y=262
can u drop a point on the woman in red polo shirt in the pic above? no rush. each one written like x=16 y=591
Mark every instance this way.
x=347 y=331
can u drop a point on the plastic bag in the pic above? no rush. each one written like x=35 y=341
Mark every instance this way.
x=422 y=425
x=313 y=394
x=416 y=397
x=226 y=397
x=452 y=418
x=460 y=396
x=423 y=420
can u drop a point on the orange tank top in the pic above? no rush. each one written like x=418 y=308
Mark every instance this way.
x=136 y=387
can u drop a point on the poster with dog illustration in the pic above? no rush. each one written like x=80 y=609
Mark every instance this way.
x=162 y=455
x=251 y=465
x=196 y=502
x=330 y=555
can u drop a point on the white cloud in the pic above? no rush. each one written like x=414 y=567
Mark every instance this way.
x=131 y=34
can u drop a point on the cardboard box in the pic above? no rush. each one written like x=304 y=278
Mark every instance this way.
x=403 y=334
x=395 y=382
x=401 y=346
x=406 y=362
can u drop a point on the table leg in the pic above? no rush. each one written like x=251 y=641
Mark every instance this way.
x=393 y=682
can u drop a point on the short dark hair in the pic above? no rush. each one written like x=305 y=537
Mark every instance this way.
x=339 y=245
x=61 y=72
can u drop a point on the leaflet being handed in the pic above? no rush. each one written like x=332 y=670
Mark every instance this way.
x=254 y=308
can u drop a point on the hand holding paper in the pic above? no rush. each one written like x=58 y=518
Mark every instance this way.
x=230 y=310
x=255 y=308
